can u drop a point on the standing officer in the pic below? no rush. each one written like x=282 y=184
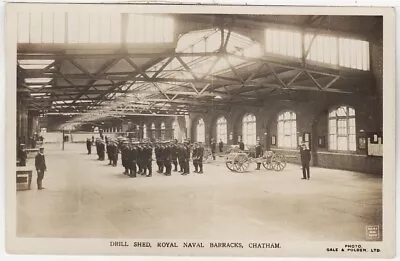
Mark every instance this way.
x=174 y=154
x=168 y=159
x=181 y=157
x=213 y=148
x=200 y=154
x=241 y=145
x=89 y=146
x=133 y=154
x=140 y=159
x=40 y=164
x=98 y=148
x=124 y=157
x=259 y=153
x=148 y=155
x=195 y=157
x=109 y=152
x=102 y=149
x=305 y=156
x=115 y=153
x=158 y=151
x=221 y=145
x=186 y=156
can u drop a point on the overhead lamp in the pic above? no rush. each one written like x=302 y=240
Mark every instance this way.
x=217 y=97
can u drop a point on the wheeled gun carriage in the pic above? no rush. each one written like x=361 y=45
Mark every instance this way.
x=239 y=161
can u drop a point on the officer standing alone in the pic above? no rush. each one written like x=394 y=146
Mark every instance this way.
x=40 y=164
x=305 y=156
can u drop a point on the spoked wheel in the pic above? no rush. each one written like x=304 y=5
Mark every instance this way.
x=241 y=163
x=268 y=164
x=230 y=165
x=280 y=162
x=242 y=166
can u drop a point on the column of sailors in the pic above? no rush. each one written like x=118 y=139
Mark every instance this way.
x=137 y=156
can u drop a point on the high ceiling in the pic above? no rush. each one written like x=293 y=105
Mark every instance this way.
x=210 y=61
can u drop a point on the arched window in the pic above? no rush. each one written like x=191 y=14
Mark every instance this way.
x=175 y=126
x=249 y=130
x=162 y=131
x=201 y=131
x=222 y=130
x=144 y=131
x=287 y=130
x=153 y=130
x=342 y=129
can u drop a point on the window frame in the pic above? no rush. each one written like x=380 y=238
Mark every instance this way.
x=247 y=123
x=347 y=119
x=222 y=122
x=286 y=128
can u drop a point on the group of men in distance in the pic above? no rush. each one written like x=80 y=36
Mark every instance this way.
x=137 y=156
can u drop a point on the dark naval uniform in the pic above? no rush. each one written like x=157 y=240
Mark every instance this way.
x=148 y=154
x=89 y=146
x=200 y=154
x=167 y=159
x=174 y=156
x=181 y=157
x=305 y=156
x=158 y=151
x=101 y=150
x=259 y=153
x=194 y=156
x=186 y=156
x=40 y=164
x=124 y=158
x=132 y=159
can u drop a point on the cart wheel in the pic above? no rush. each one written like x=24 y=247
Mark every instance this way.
x=242 y=166
x=267 y=165
x=278 y=166
x=230 y=165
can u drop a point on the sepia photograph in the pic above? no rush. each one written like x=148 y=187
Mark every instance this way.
x=237 y=131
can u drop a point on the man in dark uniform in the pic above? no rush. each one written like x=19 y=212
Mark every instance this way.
x=140 y=159
x=259 y=153
x=213 y=148
x=221 y=145
x=181 y=157
x=158 y=150
x=102 y=150
x=22 y=155
x=195 y=158
x=98 y=148
x=148 y=154
x=186 y=156
x=200 y=154
x=167 y=159
x=89 y=146
x=133 y=154
x=174 y=154
x=124 y=157
x=114 y=153
x=241 y=145
x=109 y=152
x=40 y=164
x=305 y=156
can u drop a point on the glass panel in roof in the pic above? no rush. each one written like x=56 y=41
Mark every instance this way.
x=36 y=80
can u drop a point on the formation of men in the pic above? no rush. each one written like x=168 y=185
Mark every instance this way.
x=137 y=156
x=169 y=154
